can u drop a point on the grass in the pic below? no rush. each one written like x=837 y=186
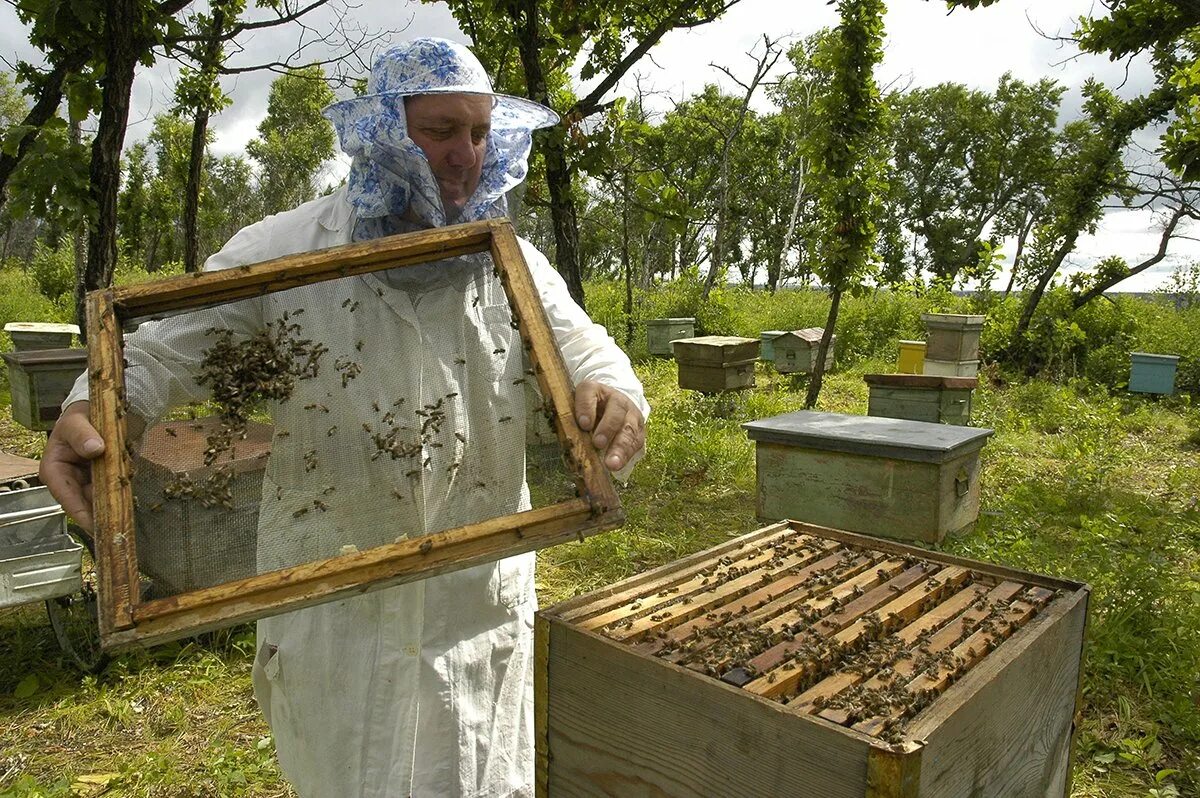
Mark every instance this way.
x=1079 y=481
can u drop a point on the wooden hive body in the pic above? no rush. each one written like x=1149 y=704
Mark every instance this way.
x=921 y=397
x=625 y=707
x=795 y=352
x=715 y=363
x=909 y=480
x=952 y=336
x=661 y=332
x=40 y=380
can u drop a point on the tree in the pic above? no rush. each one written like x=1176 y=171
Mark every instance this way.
x=1168 y=31
x=850 y=163
x=529 y=46
x=294 y=139
x=961 y=159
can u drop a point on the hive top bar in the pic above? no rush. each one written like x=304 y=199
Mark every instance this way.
x=921 y=381
x=48 y=357
x=916 y=441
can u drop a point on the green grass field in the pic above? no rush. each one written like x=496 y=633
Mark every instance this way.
x=1080 y=481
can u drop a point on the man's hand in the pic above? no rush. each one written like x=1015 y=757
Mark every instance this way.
x=67 y=463
x=617 y=427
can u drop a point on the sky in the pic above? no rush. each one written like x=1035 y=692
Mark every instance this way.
x=925 y=46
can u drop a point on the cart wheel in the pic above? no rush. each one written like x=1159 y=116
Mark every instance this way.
x=77 y=630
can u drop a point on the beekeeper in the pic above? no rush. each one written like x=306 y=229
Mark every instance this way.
x=414 y=418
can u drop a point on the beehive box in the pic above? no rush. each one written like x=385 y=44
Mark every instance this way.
x=796 y=351
x=812 y=663
x=911 y=358
x=184 y=545
x=952 y=336
x=1150 y=373
x=661 y=332
x=909 y=480
x=950 y=368
x=714 y=363
x=29 y=336
x=766 y=350
x=40 y=380
x=921 y=397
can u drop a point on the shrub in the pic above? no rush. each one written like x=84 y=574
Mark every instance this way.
x=53 y=269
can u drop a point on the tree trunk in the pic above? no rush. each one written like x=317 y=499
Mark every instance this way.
x=524 y=15
x=716 y=263
x=1022 y=236
x=191 y=204
x=625 y=264
x=79 y=235
x=818 y=374
x=121 y=23
x=191 y=207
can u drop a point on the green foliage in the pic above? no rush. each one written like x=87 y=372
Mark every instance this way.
x=53 y=269
x=294 y=140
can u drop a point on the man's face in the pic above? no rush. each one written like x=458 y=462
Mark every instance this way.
x=452 y=130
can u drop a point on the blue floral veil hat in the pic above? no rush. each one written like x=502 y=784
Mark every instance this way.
x=389 y=174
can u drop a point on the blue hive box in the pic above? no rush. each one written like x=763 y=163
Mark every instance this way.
x=1151 y=373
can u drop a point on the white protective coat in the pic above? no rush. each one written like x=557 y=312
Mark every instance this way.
x=424 y=689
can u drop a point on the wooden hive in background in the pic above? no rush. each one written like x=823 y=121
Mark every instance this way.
x=40 y=380
x=716 y=363
x=909 y=480
x=921 y=397
x=806 y=662
x=795 y=352
x=661 y=332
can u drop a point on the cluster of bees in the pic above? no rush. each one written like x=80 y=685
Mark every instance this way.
x=725 y=643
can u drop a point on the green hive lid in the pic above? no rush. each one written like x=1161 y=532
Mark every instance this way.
x=878 y=436
x=1150 y=356
x=963 y=321
x=686 y=320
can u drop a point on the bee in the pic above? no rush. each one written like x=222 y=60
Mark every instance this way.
x=428 y=460
x=480 y=484
x=397 y=494
x=354 y=306
x=416 y=472
x=328 y=490
x=516 y=325
x=300 y=512
x=450 y=468
x=282 y=434
x=156 y=507
x=435 y=445
x=379 y=292
x=398 y=402
x=451 y=395
x=330 y=431
x=317 y=406
x=426 y=546
x=375 y=406
x=519 y=381
x=499 y=350
x=320 y=505
x=358 y=346
x=475 y=302
x=171 y=432
x=346 y=302
x=461 y=438
x=297 y=311
x=278 y=493
x=502 y=419
x=458 y=361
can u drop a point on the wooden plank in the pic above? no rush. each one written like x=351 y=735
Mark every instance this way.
x=696 y=599
x=588 y=605
x=969 y=652
x=834 y=684
x=267 y=594
x=781 y=673
x=551 y=370
x=786 y=591
x=112 y=473
x=894 y=771
x=659 y=730
x=206 y=289
x=947 y=636
x=541 y=705
x=1004 y=729
x=1000 y=572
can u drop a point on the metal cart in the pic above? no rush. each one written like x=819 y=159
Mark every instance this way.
x=41 y=561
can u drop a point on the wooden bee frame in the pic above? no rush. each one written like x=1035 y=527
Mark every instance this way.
x=126 y=619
